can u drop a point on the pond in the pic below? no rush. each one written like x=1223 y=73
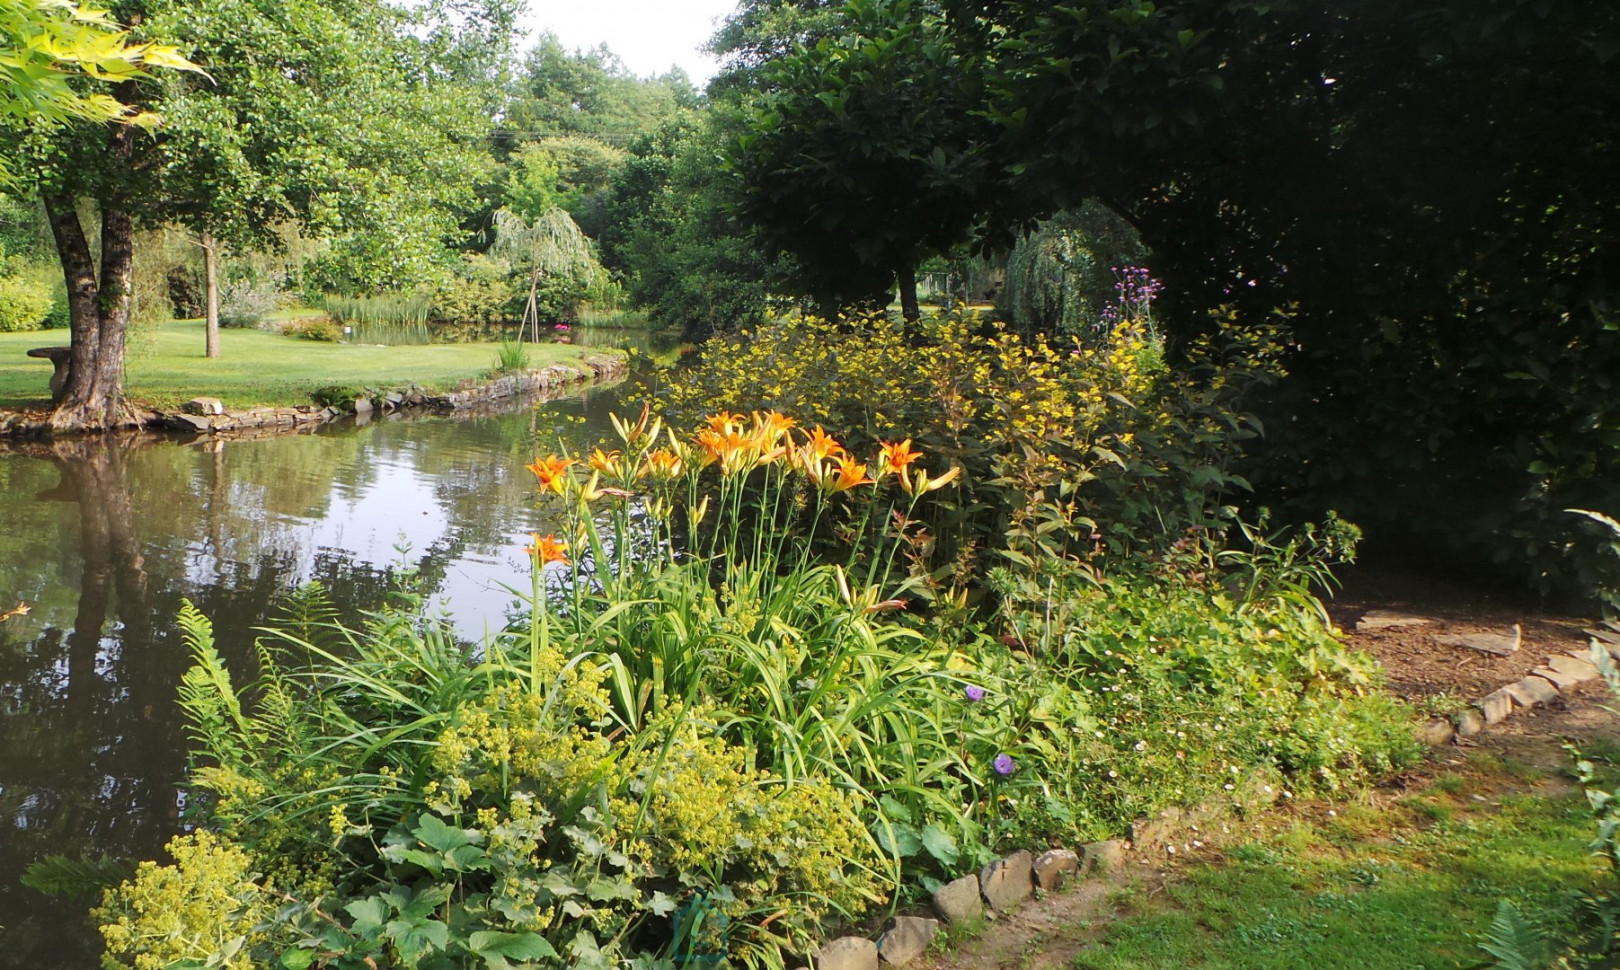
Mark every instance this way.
x=103 y=538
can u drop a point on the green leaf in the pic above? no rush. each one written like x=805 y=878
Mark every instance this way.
x=436 y=833
x=368 y=914
x=497 y=947
x=297 y=959
x=940 y=845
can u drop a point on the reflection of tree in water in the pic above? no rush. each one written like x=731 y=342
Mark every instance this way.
x=106 y=536
x=90 y=754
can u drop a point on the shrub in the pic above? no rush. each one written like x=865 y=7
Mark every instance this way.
x=248 y=302
x=314 y=328
x=26 y=300
x=481 y=291
x=1056 y=441
x=512 y=357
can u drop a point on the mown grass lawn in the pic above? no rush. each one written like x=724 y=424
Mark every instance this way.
x=257 y=368
x=1409 y=885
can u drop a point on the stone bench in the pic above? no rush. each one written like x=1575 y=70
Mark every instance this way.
x=62 y=358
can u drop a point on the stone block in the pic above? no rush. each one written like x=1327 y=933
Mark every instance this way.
x=362 y=405
x=958 y=900
x=1385 y=619
x=1469 y=723
x=1105 y=856
x=907 y=939
x=848 y=953
x=1567 y=672
x=1054 y=867
x=1495 y=706
x=204 y=405
x=191 y=422
x=1500 y=644
x=1005 y=883
x=1437 y=731
x=1532 y=691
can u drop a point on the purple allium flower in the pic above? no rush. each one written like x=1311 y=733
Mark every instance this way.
x=974 y=693
x=1004 y=764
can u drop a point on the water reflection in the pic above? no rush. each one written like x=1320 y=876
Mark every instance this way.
x=105 y=537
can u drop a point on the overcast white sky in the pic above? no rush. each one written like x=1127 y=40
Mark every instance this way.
x=649 y=35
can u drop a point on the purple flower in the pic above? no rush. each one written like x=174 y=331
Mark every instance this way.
x=1004 y=764
x=974 y=693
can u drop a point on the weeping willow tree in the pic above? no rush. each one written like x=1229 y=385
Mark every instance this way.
x=1061 y=275
x=551 y=245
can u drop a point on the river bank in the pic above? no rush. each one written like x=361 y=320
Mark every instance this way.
x=209 y=415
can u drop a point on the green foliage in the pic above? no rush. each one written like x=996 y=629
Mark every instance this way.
x=46 y=44
x=27 y=298
x=862 y=155
x=590 y=92
x=531 y=186
x=480 y=290
x=321 y=328
x=672 y=236
x=61 y=876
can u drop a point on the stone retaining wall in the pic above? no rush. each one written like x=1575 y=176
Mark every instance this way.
x=207 y=415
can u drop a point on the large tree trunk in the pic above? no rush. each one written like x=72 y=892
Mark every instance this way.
x=211 y=287
x=93 y=399
x=907 y=276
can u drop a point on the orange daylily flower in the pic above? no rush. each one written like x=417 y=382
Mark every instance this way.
x=847 y=475
x=895 y=457
x=819 y=444
x=729 y=448
x=549 y=471
x=725 y=422
x=547 y=549
x=21 y=609
x=604 y=461
x=663 y=463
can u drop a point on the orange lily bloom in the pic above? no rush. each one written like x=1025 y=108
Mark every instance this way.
x=663 y=463
x=847 y=475
x=605 y=461
x=725 y=422
x=547 y=549
x=895 y=457
x=550 y=472
x=729 y=448
x=819 y=444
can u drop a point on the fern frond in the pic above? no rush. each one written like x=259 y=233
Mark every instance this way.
x=59 y=875
x=1514 y=943
x=206 y=693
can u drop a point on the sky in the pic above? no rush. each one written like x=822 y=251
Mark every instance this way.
x=649 y=35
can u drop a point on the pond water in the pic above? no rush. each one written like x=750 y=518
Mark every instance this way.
x=104 y=538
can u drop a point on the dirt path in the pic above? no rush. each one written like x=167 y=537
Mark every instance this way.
x=1048 y=933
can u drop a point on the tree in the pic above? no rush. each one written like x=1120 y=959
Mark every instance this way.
x=338 y=115
x=590 y=92
x=1428 y=185
x=46 y=44
x=862 y=156
x=669 y=231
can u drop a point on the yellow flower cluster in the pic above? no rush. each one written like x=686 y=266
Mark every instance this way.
x=515 y=737
x=696 y=805
x=204 y=905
